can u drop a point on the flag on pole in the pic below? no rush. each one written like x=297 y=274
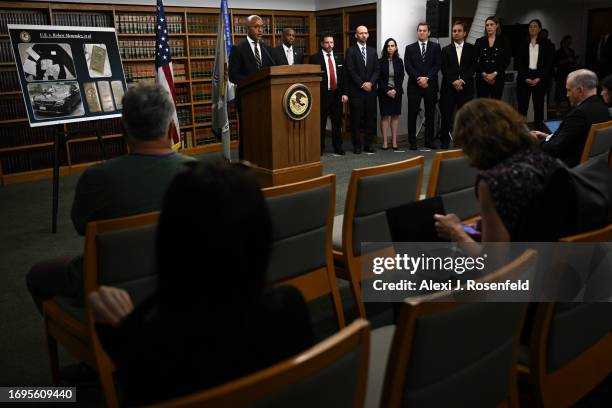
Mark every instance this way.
x=222 y=89
x=163 y=66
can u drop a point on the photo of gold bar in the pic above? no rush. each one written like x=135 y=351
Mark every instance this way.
x=91 y=96
x=106 y=96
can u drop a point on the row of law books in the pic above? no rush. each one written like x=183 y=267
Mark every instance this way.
x=146 y=48
x=82 y=20
x=202 y=23
x=184 y=116
x=103 y=126
x=32 y=17
x=12 y=107
x=200 y=47
x=23 y=135
x=240 y=24
x=6 y=54
x=146 y=23
x=28 y=160
x=201 y=69
x=203 y=113
x=186 y=136
x=202 y=92
x=182 y=94
x=299 y=24
x=9 y=81
x=90 y=151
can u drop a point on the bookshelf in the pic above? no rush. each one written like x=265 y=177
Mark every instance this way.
x=27 y=153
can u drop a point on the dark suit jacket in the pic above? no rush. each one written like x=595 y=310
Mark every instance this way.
x=278 y=53
x=383 y=78
x=452 y=70
x=544 y=66
x=318 y=58
x=242 y=63
x=494 y=59
x=358 y=73
x=568 y=141
x=415 y=67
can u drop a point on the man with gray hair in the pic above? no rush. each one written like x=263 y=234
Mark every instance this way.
x=126 y=185
x=567 y=142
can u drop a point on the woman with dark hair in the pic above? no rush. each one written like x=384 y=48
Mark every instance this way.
x=493 y=58
x=566 y=62
x=533 y=63
x=513 y=177
x=210 y=320
x=390 y=90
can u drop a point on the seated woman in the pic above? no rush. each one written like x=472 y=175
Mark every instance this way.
x=514 y=181
x=210 y=320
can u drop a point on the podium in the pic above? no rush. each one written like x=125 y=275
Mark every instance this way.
x=280 y=123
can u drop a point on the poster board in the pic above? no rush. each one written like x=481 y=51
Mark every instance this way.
x=68 y=74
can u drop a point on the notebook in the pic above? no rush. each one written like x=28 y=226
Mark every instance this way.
x=414 y=222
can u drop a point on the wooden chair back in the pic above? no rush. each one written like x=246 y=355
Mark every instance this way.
x=598 y=142
x=331 y=373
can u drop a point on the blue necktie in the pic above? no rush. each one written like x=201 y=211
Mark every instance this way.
x=423 y=52
x=363 y=55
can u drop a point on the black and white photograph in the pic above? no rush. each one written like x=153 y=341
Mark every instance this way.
x=56 y=99
x=47 y=62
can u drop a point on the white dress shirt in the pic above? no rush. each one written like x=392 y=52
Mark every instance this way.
x=459 y=51
x=288 y=54
x=533 y=55
x=327 y=67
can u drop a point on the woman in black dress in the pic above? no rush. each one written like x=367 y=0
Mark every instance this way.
x=533 y=63
x=493 y=59
x=390 y=91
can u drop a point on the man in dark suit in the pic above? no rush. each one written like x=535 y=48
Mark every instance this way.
x=246 y=58
x=362 y=69
x=458 y=66
x=568 y=141
x=286 y=53
x=422 y=63
x=333 y=94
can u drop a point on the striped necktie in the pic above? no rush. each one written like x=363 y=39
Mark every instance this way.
x=363 y=55
x=257 y=56
x=423 y=52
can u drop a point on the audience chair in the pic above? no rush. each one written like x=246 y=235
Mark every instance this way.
x=570 y=349
x=302 y=218
x=452 y=178
x=442 y=353
x=118 y=252
x=371 y=191
x=599 y=141
x=332 y=373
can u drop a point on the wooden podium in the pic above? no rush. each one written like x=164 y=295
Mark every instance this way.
x=282 y=150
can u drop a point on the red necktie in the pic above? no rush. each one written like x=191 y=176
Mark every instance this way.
x=332 y=74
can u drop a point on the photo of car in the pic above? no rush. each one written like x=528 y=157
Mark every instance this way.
x=55 y=98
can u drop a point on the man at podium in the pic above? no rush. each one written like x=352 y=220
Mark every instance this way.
x=246 y=58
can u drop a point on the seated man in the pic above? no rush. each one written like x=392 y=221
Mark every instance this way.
x=127 y=185
x=568 y=141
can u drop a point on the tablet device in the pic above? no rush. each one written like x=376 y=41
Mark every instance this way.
x=552 y=125
x=414 y=222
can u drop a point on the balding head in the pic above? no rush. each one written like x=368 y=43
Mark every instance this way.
x=581 y=84
x=254 y=27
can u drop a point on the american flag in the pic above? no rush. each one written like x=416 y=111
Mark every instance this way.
x=163 y=66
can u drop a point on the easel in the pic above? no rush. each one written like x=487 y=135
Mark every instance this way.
x=60 y=137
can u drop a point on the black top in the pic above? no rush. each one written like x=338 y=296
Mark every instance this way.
x=358 y=73
x=161 y=357
x=452 y=70
x=568 y=141
x=398 y=75
x=279 y=55
x=242 y=63
x=492 y=59
x=543 y=67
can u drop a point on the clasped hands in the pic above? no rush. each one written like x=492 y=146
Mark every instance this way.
x=533 y=82
x=489 y=78
x=367 y=86
x=423 y=82
x=458 y=85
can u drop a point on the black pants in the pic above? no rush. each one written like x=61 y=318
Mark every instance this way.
x=449 y=100
x=523 y=92
x=415 y=94
x=484 y=90
x=49 y=278
x=363 y=115
x=331 y=106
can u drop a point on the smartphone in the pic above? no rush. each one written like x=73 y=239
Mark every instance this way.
x=472 y=232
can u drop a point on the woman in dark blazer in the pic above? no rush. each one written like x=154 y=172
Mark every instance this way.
x=493 y=58
x=534 y=60
x=390 y=91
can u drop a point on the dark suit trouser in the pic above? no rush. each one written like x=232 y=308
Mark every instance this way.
x=363 y=114
x=415 y=94
x=523 y=92
x=449 y=100
x=331 y=106
x=484 y=90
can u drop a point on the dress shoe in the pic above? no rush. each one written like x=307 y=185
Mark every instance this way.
x=413 y=147
x=369 y=149
x=357 y=150
x=339 y=152
x=395 y=148
x=444 y=147
x=384 y=148
x=430 y=146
